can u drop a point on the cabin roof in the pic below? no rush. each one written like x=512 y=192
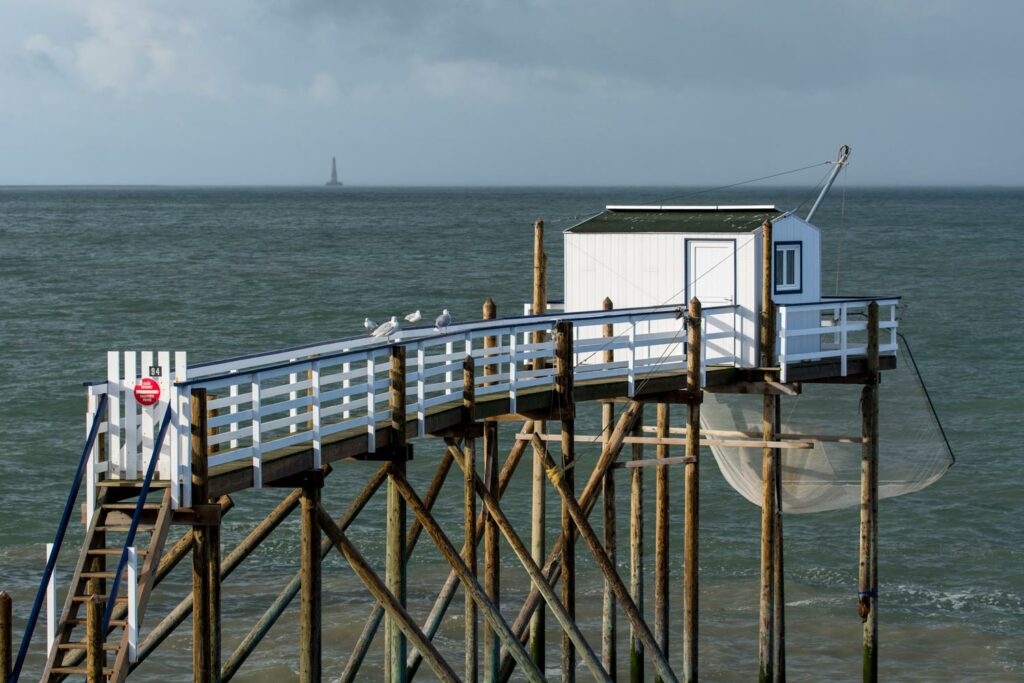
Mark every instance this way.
x=677 y=219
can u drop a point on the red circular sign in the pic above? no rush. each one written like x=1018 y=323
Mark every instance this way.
x=148 y=392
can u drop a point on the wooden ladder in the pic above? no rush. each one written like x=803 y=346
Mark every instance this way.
x=93 y=572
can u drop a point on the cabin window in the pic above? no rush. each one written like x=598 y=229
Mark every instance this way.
x=788 y=277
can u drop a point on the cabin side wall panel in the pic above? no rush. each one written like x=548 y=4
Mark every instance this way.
x=792 y=230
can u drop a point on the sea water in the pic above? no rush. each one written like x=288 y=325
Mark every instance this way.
x=221 y=271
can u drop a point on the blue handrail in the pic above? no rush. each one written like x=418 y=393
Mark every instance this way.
x=62 y=528
x=136 y=517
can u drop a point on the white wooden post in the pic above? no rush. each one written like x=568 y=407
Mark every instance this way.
x=631 y=366
x=842 y=339
x=164 y=362
x=783 y=326
x=233 y=393
x=183 y=476
x=512 y=372
x=703 y=349
x=145 y=451
x=421 y=394
x=116 y=465
x=131 y=417
x=93 y=457
x=345 y=384
x=51 y=603
x=292 y=395
x=314 y=378
x=133 y=604
x=257 y=456
x=371 y=404
x=449 y=349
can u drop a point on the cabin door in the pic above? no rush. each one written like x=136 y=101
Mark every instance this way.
x=711 y=272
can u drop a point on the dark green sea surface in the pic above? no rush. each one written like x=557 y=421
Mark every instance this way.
x=220 y=271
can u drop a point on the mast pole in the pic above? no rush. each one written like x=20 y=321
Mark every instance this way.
x=841 y=160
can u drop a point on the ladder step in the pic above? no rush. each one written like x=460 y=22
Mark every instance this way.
x=131 y=484
x=113 y=551
x=77 y=670
x=145 y=528
x=113 y=622
x=87 y=598
x=97 y=575
x=79 y=645
x=130 y=506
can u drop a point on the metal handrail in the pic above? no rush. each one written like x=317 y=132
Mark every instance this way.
x=62 y=528
x=136 y=517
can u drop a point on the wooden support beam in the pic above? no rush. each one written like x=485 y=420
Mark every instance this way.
x=691 y=492
x=538 y=507
x=396 y=611
x=768 y=462
x=671 y=441
x=271 y=615
x=95 y=655
x=310 y=623
x=608 y=569
x=636 y=556
x=778 y=577
x=765 y=387
x=867 y=578
x=608 y=607
x=563 y=389
x=469 y=519
x=540 y=583
x=202 y=589
x=394 y=562
x=6 y=636
x=661 y=535
x=492 y=561
x=552 y=569
x=213 y=555
x=444 y=597
x=489 y=609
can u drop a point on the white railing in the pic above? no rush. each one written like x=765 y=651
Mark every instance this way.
x=833 y=328
x=302 y=396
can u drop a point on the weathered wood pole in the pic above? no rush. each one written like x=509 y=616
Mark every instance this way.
x=636 y=554
x=867 y=578
x=469 y=511
x=768 y=464
x=567 y=412
x=95 y=657
x=203 y=596
x=310 y=623
x=492 y=535
x=778 y=582
x=395 y=566
x=661 y=533
x=538 y=512
x=691 y=485
x=609 y=611
x=6 y=639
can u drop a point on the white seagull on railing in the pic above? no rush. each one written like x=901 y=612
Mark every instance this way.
x=387 y=329
x=415 y=316
x=443 y=320
x=369 y=325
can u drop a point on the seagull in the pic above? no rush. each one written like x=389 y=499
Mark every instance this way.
x=414 y=317
x=443 y=320
x=387 y=329
x=369 y=325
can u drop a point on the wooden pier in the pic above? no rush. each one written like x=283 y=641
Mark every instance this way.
x=291 y=419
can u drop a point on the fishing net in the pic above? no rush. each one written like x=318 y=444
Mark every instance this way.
x=913 y=450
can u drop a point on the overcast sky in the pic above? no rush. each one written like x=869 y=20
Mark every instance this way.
x=530 y=92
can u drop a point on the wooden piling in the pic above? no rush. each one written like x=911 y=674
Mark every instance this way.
x=566 y=409
x=202 y=589
x=636 y=555
x=768 y=464
x=6 y=636
x=538 y=512
x=395 y=565
x=609 y=610
x=691 y=485
x=492 y=560
x=867 y=579
x=778 y=576
x=661 y=534
x=95 y=656
x=469 y=516
x=310 y=623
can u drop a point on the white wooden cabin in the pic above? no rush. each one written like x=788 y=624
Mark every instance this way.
x=653 y=255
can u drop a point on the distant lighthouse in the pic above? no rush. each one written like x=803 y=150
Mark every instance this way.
x=333 y=182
